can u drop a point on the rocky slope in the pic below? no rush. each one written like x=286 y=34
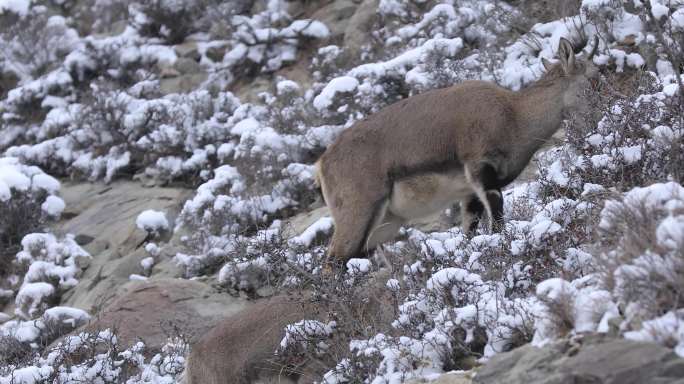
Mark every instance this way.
x=207 y=116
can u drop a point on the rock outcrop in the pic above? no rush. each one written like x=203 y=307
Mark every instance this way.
x=102 y=216
x=593 y=360
x=155 y=310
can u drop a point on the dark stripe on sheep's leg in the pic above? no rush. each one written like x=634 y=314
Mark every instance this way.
x=471 y=212
x=496 y=202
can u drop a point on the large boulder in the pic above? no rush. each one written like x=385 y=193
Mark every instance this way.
x=156 y=309
x=358 y=31
x=336 y=15
x=102 y=216
x=592 y=360
x=447 y=378
x=182 y=84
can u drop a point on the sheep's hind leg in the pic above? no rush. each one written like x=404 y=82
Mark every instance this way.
x=474 y=178
x=471 y=213
x=495 y=200
x=352 y=229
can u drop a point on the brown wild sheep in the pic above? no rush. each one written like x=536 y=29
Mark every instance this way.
x=461 y=144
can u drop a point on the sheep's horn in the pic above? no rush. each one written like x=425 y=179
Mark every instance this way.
x=593 y=50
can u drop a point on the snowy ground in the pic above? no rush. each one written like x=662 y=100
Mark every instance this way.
x=593 y=243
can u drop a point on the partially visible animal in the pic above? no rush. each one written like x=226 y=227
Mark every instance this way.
x=241 y=348
x=425 y=153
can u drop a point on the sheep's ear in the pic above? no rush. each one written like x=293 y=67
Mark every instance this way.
x=566 y=54
x=547 y=64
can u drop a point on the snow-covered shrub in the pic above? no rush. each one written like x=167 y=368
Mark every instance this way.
x=266 y=41
x=116 y=132
x=98 y=358
x=28 y=199
x=34 y=43
x=635 y=281
x=306 y=335
x=638 y=139
x=288 y=111
x=171 y=20
x=422 y=48
x=255 y=263
x=21 y=339
x=49 y=267
x=644 y=238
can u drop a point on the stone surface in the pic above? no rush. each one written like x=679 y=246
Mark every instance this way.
x=357 y=31
x=102 y=216
x=336 y=15
x=594 y=360
x=152 y=309
x=188 y=50
x=447 y=378
x=296 y=225
x=8 y=81
x=182 y=84
x=186 y=65
x=216 y=52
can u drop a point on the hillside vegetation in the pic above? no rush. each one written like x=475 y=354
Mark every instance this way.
x=236 y=100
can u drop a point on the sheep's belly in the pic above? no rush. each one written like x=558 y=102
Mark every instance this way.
x=423 y=195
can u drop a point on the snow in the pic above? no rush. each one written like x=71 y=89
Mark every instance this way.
x=30 y=297
x=20 y=7
x=53 y=206
x=152 y=221
x=304 y=330
x=66 y=315
x=666 y=330
x=338 y=85
x=251 y=163
x=309 y=28
x=45 y=182
x=323 y=225
x=358 y=266
x=147 y=263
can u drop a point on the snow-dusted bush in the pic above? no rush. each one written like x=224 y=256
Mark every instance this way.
x=642 y=262
x=98 y=358
x=28 y=199
x=171 y=20
x=638 y=139
x=21 y=339
x=268 y=40
x=34 y=43
x=49 y=266
x=167 y=138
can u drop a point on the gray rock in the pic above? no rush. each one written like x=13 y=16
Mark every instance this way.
x=182 y=84
x=104 y=215
x=8 y=81
x=187 y=50
x=596 y=360
x=186 y=65
x=336 y=15
x=152 y=310
x=357 y=32
x=447 y=378
x=216 y=52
